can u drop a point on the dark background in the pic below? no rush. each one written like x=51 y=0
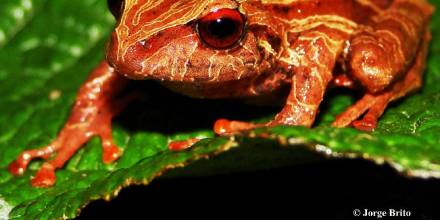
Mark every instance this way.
x=331 y=189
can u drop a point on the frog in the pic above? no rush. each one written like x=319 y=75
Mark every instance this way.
x=247 y=49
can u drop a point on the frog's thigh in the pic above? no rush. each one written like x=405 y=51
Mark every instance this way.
x=414 y=78
x=313 y=56
x=376 y=104
x=381 y=54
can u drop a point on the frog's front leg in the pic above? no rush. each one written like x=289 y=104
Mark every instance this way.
x=310 y=61
x=313 y=58
x=91 y=115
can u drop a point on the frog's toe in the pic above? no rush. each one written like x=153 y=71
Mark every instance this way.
x=182 y=145
x=110 y=153
x=19 y=165
x=222 y=126
x=366 y=124
x=225 y=127
x=17 y=168
x=45 y=177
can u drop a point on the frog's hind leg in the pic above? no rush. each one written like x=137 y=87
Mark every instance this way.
x=375 y=104
x=381 y=53
x=91 y=115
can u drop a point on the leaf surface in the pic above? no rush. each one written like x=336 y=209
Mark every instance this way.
x=47 y=49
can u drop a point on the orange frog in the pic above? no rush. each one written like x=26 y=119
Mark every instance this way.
x=248 y=49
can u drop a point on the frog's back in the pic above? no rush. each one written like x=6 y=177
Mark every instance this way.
x=357 y=11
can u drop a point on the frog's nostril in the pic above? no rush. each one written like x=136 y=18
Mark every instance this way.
x=144 y=44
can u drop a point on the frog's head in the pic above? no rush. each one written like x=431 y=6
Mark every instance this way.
x=183 y=40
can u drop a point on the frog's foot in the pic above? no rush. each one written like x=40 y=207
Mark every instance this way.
x=226 y=127
x=70 y=139
x=83 y=124
x=374 y=105
x=182 y=145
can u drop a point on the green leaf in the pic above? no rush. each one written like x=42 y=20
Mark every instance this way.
x=47 y=48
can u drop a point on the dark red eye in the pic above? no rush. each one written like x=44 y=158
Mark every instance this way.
x=222 y=28
x=116 y=7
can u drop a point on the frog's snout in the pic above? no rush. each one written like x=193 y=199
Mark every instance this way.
x=170 y=55
x=126 y=61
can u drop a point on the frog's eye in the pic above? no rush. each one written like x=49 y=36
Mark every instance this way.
x=116 y=7
x=222 y=28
